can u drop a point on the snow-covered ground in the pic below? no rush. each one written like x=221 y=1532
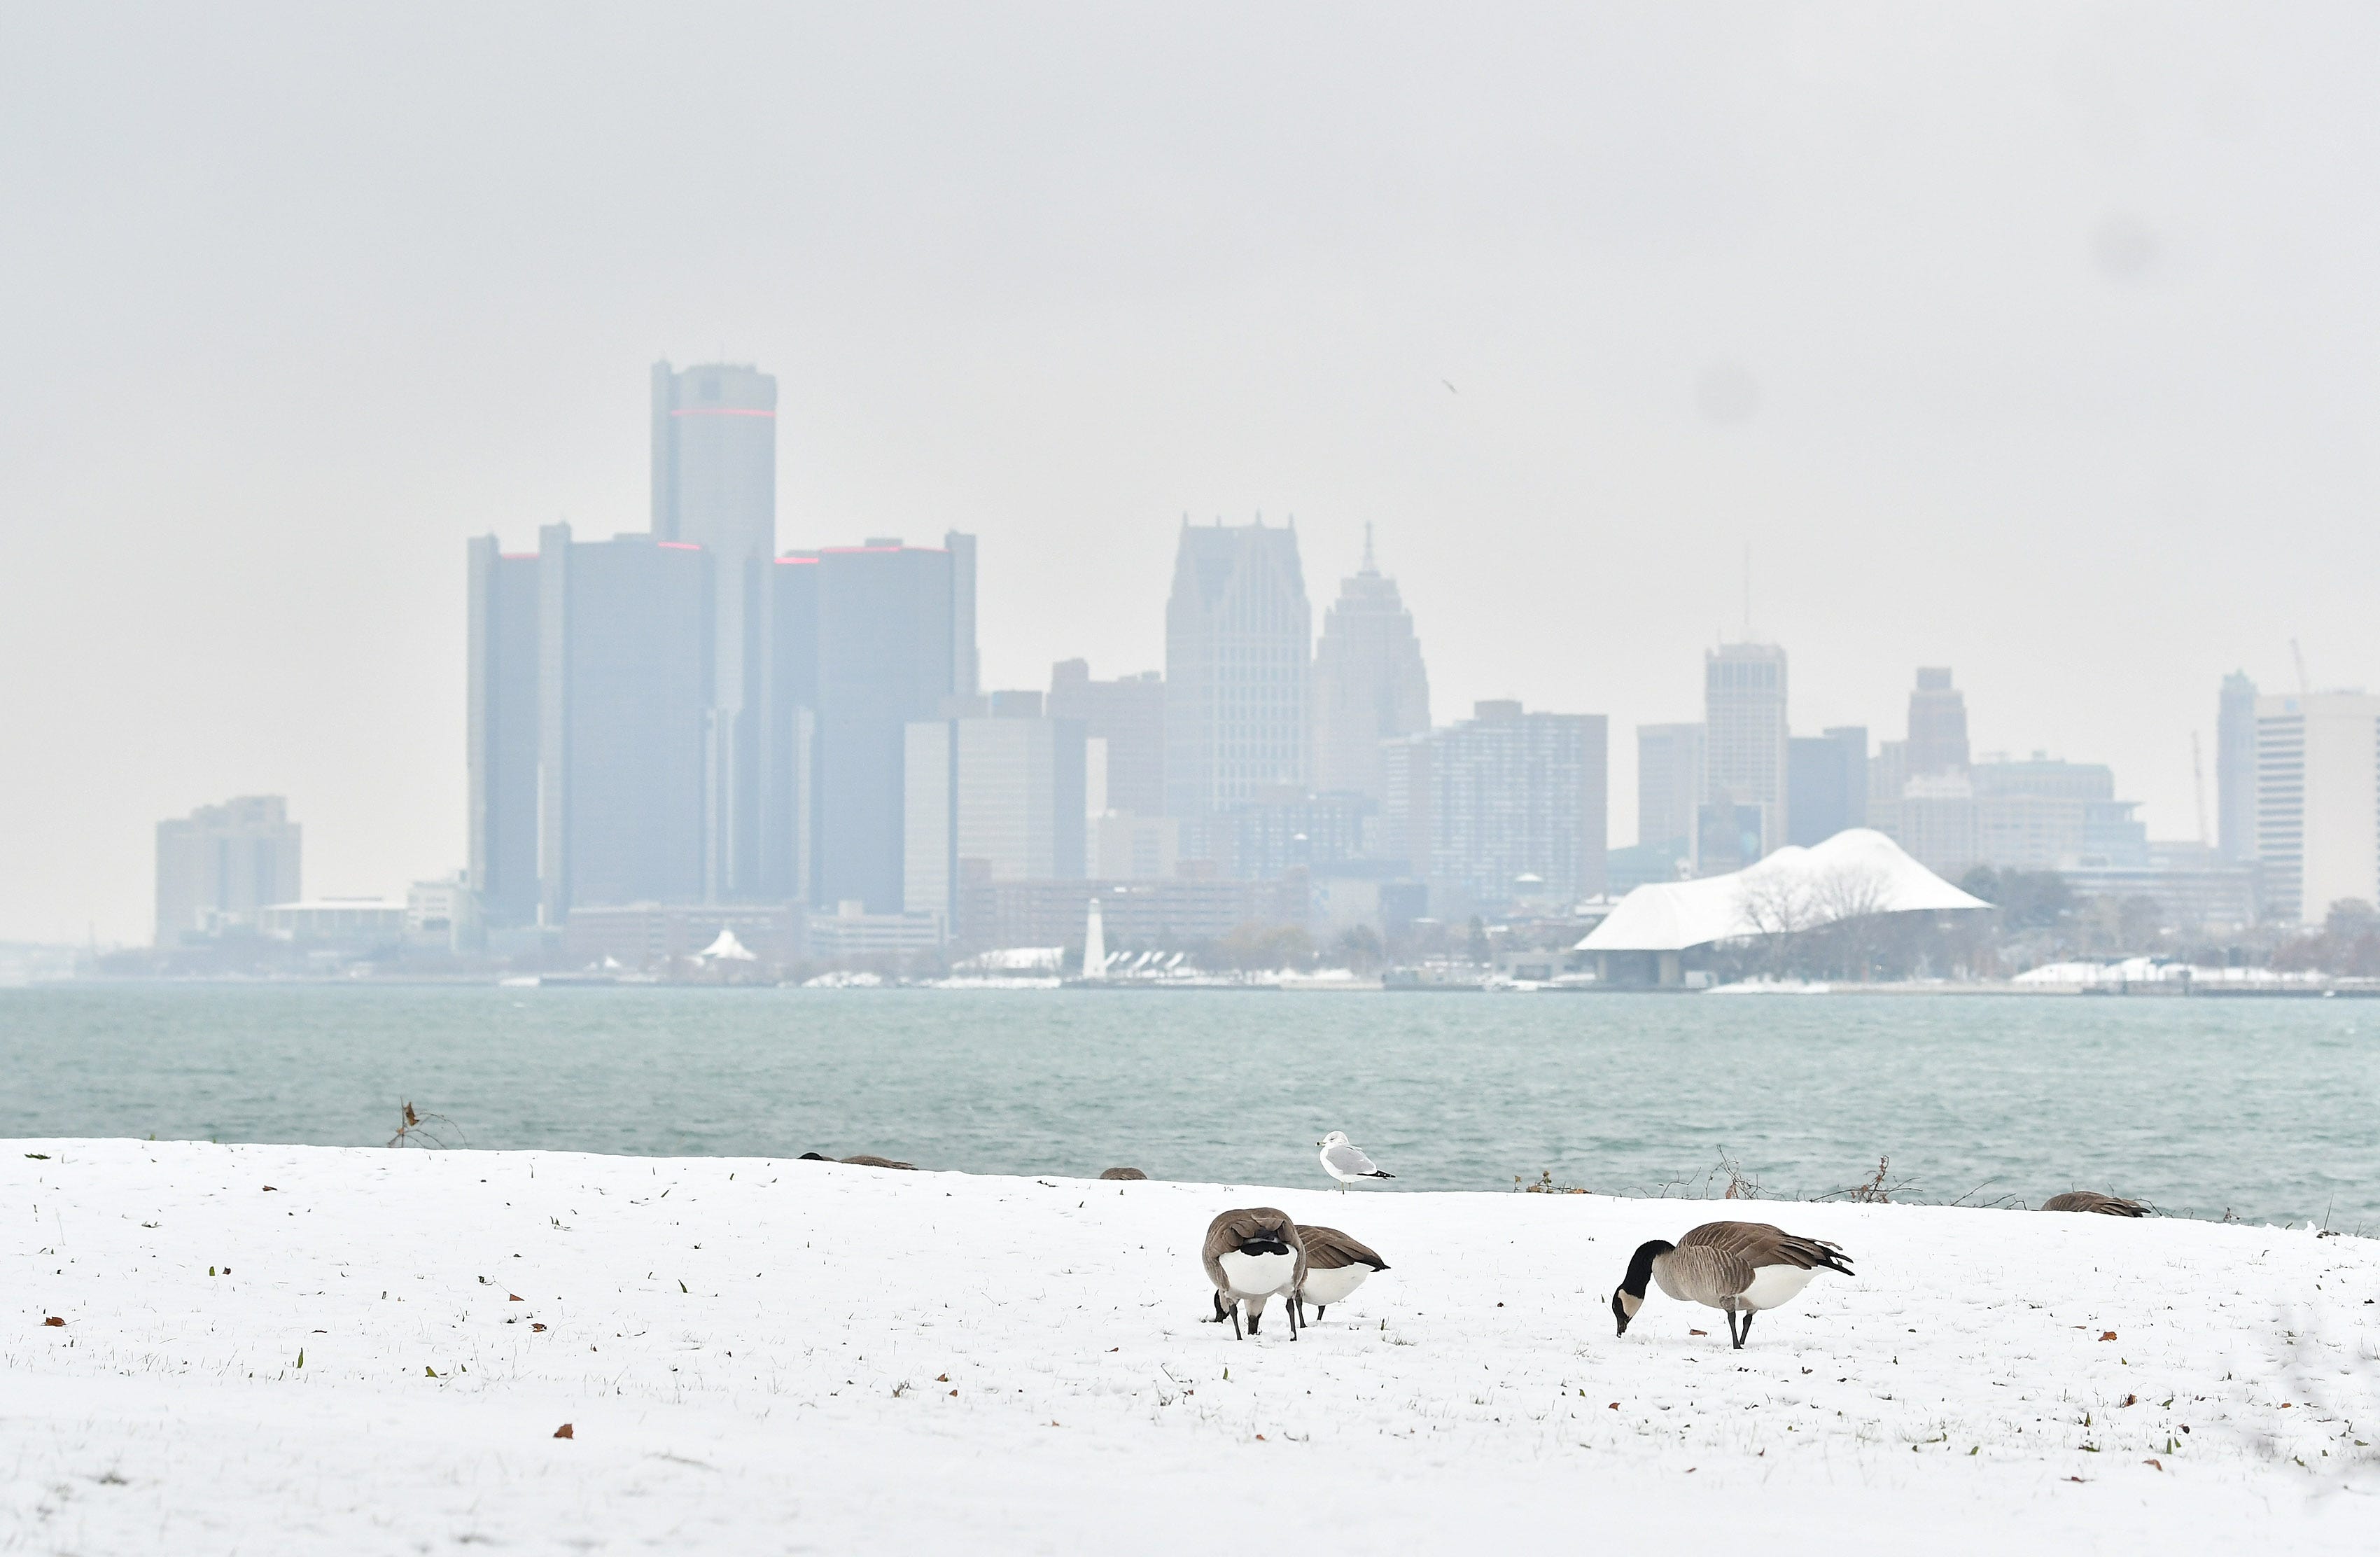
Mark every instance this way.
x=788 y=1357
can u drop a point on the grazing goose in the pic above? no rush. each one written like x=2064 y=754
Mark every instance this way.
x=1345 y=1162
x=1123 y=1174
x=1738 y=1266
x=2091 y=1200
x=1250 y=1256
x=1335 y=1266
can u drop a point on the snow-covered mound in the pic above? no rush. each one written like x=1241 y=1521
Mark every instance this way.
x=1857 y=871
x=277 y=1349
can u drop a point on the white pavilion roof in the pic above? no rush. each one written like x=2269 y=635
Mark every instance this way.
x=1857 y=871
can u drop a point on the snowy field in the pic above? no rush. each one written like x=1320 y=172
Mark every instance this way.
x=784 y=1356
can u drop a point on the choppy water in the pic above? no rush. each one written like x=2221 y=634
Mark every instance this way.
x=2270 y=1109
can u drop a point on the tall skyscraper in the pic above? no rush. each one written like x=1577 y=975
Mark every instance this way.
x=1129 y=715
x=890 y=624
x=501 y=737
x=1668 y=785
x=1506 y=795
x=1825 y=784
x=1239 y=642
x=2317 y=802
x=220 y=865
x=1938 y=726
x=989 y=798
x=622 y=629
x=1370 y=684
x=2235 y=768
x=1746 y=736
x=715 y=485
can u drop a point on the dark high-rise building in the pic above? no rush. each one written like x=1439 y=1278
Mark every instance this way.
x=2235 y=768
x=502 y=732
x=890 y=620
x=624 y=633
x=715 y=485
x=1938 y=726
x=1129 y=715
x=1825 y=784
x=1744 y=734
x=1239 y=644
x=220 y=867
x=1370 y=684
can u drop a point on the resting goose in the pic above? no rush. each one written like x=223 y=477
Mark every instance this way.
x=1737 y=1267
x=1250 y=1256
x=2091 y=1200
x=1335 y=1266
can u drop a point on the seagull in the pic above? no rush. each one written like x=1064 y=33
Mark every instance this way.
x=1346 y=1161
x=1736 y=1267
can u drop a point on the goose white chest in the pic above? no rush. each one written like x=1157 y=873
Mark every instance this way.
x=1256 y=1275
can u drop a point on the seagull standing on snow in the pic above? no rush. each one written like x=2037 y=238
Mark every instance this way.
x=1345 y=1162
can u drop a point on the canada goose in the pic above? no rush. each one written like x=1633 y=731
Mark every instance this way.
x=2091 y=1200
x=1738 y=1266
x=1335 y=1266
x=1251 y=1254
x=1345 y=1162
x=1123 y=1174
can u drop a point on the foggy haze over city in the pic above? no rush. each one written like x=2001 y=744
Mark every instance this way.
x=2036 y=341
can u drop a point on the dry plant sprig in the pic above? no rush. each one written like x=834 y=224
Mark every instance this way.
x=426 y=1130
x=1877 y=1190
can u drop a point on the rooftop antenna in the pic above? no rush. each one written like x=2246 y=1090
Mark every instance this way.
x=2305 y=686
x=1748 y=591
x=1369 y=566
x=2198 y=782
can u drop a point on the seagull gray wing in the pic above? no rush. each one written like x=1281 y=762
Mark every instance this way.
x=1350 y=1159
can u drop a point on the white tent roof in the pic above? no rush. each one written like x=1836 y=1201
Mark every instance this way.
x=727 y=947
x=1856 y=872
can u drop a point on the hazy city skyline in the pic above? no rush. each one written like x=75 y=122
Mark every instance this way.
x=2034 y=344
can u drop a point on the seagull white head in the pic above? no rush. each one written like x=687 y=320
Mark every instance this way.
x=1336 y=1137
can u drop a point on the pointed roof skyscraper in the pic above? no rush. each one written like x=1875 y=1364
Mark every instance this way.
x=1370 y=683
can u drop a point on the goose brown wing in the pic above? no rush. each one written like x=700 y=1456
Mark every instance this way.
x=1326 y=1248
x=1703 y=1273
x=1758 y=1244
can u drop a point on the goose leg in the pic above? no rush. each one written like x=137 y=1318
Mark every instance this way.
x=1747 y=1326
x=1321 y=1310
x=1294 y=1323
x=1235 y=1321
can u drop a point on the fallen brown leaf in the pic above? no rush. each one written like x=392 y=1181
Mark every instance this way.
x=1698 y=1332
x=513 y=1298
x=2155 y=1463
x=1615 y=1405
x=269 y=1189
x=2107 y=1335
x=941 y=1378
x=2131 y=1400
x=563 y=1432
x=534 y=1325
x=55 y=1320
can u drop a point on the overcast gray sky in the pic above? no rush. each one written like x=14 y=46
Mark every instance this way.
x=2035 y=341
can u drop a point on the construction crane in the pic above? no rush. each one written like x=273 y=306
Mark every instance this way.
x=2305 y=683
x=2198 y=782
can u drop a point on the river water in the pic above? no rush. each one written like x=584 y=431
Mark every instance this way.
x=2266 y=1108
